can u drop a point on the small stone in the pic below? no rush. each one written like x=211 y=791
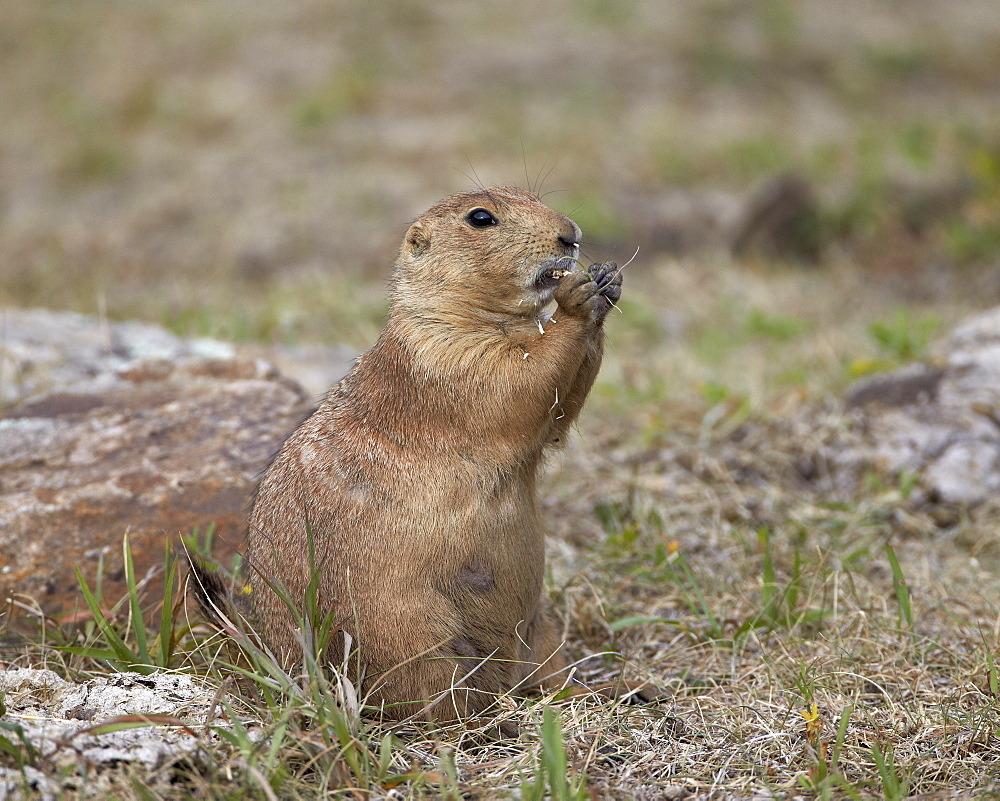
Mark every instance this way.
x=939 y=422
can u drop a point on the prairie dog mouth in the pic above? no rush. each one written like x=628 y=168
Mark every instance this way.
x=550 y=273
x=547 y=277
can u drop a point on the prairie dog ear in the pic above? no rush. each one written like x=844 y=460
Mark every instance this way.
x=418 y=239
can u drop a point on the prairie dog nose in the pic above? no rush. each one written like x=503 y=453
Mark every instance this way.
x=570 y=236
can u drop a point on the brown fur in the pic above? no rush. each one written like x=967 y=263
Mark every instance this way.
x=415 y=478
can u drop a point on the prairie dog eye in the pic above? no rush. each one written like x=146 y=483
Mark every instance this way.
x=481 y=218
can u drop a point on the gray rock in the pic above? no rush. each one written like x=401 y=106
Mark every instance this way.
x=32 y=784
x=46 y=351
x=315 y=367
x=149 y=434
x=940 y=422
x=913 y=384
x=59 y=718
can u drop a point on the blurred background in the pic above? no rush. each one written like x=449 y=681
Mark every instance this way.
x=813 y=187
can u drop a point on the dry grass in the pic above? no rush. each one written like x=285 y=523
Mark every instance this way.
x=753 y=601
x=249 y=175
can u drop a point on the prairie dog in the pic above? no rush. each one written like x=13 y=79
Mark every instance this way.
x=415 y=477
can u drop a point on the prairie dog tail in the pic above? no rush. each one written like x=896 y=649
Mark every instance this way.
x=216 y=599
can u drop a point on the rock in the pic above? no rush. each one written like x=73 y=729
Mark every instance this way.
x=940 y=422
x=781 y=218
x=31 y=783
x=315 y=367
x=57 y=718
x=910 y=385
x=124 y=427
x=44 y=351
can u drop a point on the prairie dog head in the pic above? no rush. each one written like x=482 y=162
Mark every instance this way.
x=486 y=254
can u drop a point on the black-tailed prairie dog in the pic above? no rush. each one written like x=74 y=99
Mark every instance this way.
x=415 y=478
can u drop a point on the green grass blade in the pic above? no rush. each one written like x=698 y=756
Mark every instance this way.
x=167 y=610
x=792 y=593
x=838 y=743
x=135 y=607
x=639 y=620
x=769 y=588
x=554 y=755
x=892 y=787
x=900 y=587
x=90 y=652
x=716 y=629
x=125 y=656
